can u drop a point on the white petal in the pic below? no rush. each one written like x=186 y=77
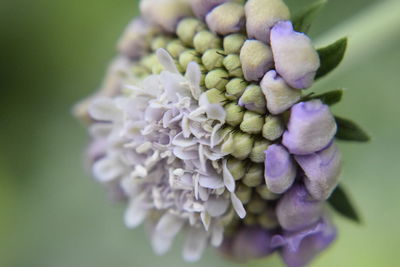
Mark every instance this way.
x=103 y=109
x=100 y=129
x=193 y=75
x=217 y=235
x=216 y=112
x=107 y=169
x=161 y=244
x=212 y=182
x=206 y=219
x=238 y=206
x=169 y=225
x=229 y=181
x=196 y=242
x=166 y=60
x=181 y=141
x=135 y=213
x=216 y=206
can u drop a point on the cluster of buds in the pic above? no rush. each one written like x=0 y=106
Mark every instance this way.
x=202 y=124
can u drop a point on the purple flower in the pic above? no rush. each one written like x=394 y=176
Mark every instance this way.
x=280 y=170
x=249 y=243
x=322 y=171
x=297 y=209
x=311 y=128
x=295 y=57
x=202 y=7
x=299 y=248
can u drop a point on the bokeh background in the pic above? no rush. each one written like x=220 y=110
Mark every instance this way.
x=52 y=214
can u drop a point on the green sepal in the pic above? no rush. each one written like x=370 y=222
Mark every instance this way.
x=331 y=56
x=302 y=21
x=329 y=98
x=341 y=203
x=350 y=131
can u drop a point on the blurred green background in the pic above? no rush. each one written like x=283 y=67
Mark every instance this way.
x=52 y=214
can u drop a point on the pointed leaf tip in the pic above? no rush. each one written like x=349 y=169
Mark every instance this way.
x=302 y=21
x=350 y=131
x=340 y=202
x=331 y=56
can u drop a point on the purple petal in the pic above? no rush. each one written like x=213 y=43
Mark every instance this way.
x=311 y=128
x=202 y=7
x=296 y=60
x=280 y=170
x=322 y=171
x=297 y=209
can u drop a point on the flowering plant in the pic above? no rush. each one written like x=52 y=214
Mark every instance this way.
x=202 y=124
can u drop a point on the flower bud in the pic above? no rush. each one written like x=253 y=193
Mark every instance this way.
x=297 y=209
x=278 y=94
x=216 y=78
x=250 y=220
x=202 y=7
x=273 y=128
x=252 y=123
x=268 y=219
x=234 y=114
x=243 y=145
x=265 y=193
x=233 y=66
x=188 y=56
x=322 y=171
x=212 y=59
x=311 y=127
x=233 y=43
x=257 y=154
x=165 y=13
x=187 y=29
x=160 y=42
x=226 y=18
x=261 y=15
x=205 y=40
x=253 y=99
x=254 y=175
x=175 y=48
x=214 y=96
x=256 y=59
x=235 y=88
x=256 y=205
x=280 y=170
x=236 y=167
x=296 y=60
x=243 y=192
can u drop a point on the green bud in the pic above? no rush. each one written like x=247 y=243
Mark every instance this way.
x=243 y=145
x=235 y=88
x=187 y=29
x=205 y=40
x=188 y=56
x=254 y=175
x=250 y=220
x=233 y=43
x=233 y=65
x=216 y=79
x=273 y=128
x=267 y=220
x=150 y=61
x=252 y=123
x=253 y=97
x=215 y=96
x=243 y=193
x=228 y=145
x=157 y=69
x=236 y=167
x=212 y=59
x=175 y=48
x=225 y=131
x=159 y=42
x=229 y=219
x=257 y=154
x=140 y=71
x=234 y=114
x=264 y=193
x=256 y=205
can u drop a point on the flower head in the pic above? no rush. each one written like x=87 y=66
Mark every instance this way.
x=200 y=126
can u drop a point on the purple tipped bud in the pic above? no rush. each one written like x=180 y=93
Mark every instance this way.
x=280 y=170
x=300 y=248
x=226 y=18
x=256 y=58
x=261 y=15
x=249 y=243
x=296 y=60
x=297 y=209
x=202 y=7
x=278 y=94
x=311 y=128
x=165 y=13
x=322 y=171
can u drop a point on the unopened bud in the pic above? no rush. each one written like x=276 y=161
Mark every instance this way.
x=254 y=175
x=234 y=114
x=265 y=193
x=232 y=64
x=257 y=154
x=256 y=205
x=250 y=220
x=160 y=42
x=226 y=18
x=205 y=40
x=243 y=192
x=252 y=122
x=253 y=99
x=187 y=29
x=188 y=56
x=235 y=88
x=256 y=58
x=236 y=167
x=273 y=128
x=212 y=59
x=233 y=43
x=268 y=219
x=243 y=145
x=217 y=78
x=175 y=48
x=215 y=96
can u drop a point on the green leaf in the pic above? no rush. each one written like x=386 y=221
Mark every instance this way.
x=350 y=131
x=340 y=202
x=331 y=56
x=330 y=98
x=302 y=21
